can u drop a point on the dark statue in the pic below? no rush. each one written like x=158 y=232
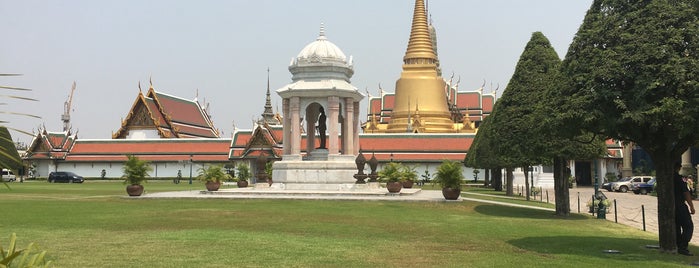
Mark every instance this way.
x=321 y=128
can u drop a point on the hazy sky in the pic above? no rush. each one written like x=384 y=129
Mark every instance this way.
x=223 y=49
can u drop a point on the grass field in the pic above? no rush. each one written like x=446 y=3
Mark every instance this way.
x=95 y=225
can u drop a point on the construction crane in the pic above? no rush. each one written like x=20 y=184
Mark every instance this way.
x=66 y=109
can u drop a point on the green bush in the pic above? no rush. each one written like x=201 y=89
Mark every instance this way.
x=391 y=172
x=136 y=170
x=243 y=172
x=212 y=173
x=409 y=173
x=449 y=175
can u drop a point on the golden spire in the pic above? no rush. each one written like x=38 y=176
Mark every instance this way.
x=420 y=50
x=421 y=80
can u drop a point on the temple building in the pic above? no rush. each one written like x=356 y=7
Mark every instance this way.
x=175 y=134
x=426 y=120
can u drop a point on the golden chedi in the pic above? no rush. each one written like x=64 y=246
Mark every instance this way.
x=420 y=87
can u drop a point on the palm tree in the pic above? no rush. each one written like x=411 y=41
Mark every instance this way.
x=9 y=157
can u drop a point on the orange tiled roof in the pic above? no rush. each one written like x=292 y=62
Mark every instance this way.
x=171 y=116
x=151 y=149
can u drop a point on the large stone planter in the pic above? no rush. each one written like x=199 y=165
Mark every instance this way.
x=451 y=193
x=242 y=184
x=134 y=189
x=394 y=186
x=408 y=184
x=212 y=186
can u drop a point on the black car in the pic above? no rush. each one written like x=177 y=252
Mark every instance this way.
x=65 y=176
x=607 y=185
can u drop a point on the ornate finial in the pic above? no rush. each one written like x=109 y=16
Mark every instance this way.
x=150 y=80
x=420 y=45
x=139 y=87
x=321 y=35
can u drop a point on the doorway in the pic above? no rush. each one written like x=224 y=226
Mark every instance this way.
x=583 y=173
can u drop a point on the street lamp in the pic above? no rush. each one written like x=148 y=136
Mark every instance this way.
x=190 y=169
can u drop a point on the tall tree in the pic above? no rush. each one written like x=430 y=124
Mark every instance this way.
x=513 y=133
x=632 y=74
x=481 y=154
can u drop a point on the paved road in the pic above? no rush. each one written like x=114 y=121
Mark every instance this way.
x=628 y=208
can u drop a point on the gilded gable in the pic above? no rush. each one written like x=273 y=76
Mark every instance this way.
x=141 y=117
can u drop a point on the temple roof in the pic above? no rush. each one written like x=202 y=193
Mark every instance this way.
x=115 y=150
x=46 y=145
x=169 y=116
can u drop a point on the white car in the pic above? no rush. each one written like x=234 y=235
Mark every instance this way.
x=7 y=175
x=626 y=184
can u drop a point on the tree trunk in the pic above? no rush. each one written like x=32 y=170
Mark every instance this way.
x=560 y=187
x=664 y=187
x=497 y=179
x=526 y=181
x=486 y=180
x=510 y=177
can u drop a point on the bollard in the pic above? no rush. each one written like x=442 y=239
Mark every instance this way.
x=615 y=214
x=643 y=215
x=578 y=202
x=547 y=196
x=592 y=208
x=541 y=192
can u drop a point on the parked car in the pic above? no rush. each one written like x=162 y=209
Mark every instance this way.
x=7 y=175
x=608 y=186
x=644 y=188
x=626 y=184
x=65 y=176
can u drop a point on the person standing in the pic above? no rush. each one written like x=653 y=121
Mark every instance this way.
x=683 y=216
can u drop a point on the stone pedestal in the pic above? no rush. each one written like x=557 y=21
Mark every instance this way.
x=315 y=175
x=318 y=155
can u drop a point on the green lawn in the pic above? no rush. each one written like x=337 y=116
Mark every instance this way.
x=95 y=225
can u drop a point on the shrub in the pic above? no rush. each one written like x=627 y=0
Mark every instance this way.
x=136 y=170
x=212 y=173
x=449 y=175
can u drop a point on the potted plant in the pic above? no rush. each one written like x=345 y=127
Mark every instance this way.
x=212 y=176
x=594 y=206
x=409 y=176
x=571 y=181
x=135 y=173
x=449 y=176
x=243 y=175
x=392 y=174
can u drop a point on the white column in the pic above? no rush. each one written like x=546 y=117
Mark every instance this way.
x=333 y=115
x=295 y=126
x=348 y=135
x=686 y=161
x=286 y=127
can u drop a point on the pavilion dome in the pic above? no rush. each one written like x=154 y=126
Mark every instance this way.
x=321 y=59
x=321 y=50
